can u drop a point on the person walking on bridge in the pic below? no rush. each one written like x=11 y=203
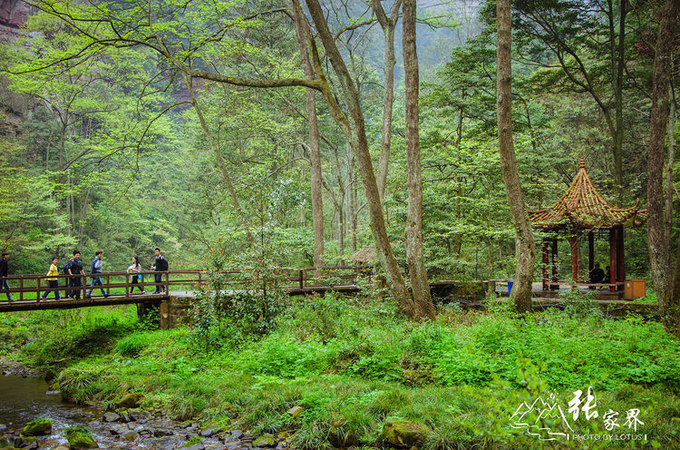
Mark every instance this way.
x=96 y=269
x=136 y=270
x=74 y=267
x=161 y=265
x=4 y=272
x=52 y=282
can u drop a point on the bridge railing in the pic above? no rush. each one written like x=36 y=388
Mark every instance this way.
x=32 y=286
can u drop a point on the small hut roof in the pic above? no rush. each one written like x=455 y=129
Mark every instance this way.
x=584 y=206
x=365 y=255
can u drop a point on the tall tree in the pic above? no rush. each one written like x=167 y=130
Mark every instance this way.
x=414 y=221
x=658 y=230
x=524 y=248
x=314 y=144
x=388 y=25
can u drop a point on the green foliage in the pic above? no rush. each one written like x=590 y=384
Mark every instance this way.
x=580 y=305
x=133 y=344
x=355 y=363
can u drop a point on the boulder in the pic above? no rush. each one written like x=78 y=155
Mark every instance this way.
x=403 y=433
x=80 y=437
x=209 y=431
x=295 y=411
x=265 y=441
x=131 y=436
x=160 y=432
x=111 y=417
x=198 y=446
x=38 y=427
x=131 y=400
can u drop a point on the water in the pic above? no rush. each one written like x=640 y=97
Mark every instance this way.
x=23 y=399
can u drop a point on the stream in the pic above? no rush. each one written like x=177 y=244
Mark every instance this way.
x=25 y=398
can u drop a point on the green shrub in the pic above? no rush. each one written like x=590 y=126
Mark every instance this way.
x=133 y=344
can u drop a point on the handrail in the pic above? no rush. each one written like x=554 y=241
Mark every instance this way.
x=37 y=283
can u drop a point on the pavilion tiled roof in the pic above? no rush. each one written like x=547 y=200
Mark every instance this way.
x=583 y=206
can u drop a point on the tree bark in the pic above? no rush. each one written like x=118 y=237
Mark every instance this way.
x=414 y=220
x=524 y=248
x=388 y=25
x=314 y=148
x=355 y=131
x=657 y=235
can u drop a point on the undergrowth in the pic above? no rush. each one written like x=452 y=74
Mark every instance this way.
x=354 y=363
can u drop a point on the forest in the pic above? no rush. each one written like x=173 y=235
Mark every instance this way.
x=420 y=138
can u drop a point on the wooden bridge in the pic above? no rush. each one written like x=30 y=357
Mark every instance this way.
x=26 y=290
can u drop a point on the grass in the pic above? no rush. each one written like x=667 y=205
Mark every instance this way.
x=355 y=364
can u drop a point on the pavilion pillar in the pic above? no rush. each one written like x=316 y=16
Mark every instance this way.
x=620 y=260
x=545 y=264
x=573 y=241
x=591 y=251
x=612 y=257
x=555 y=278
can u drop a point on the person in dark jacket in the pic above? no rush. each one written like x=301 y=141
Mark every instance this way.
x=95 y=269
x=4 y=272
x=161 y=265
x=75 y=267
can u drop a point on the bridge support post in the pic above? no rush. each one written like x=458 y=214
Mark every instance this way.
x=164 y=315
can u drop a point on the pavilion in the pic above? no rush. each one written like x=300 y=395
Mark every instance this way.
x=582 y=208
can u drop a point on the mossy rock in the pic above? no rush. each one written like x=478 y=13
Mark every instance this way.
x=80 y=438
x=295 y=411
x=265 y=441
x=38 y=427
x=403 y=433
x=131 y=400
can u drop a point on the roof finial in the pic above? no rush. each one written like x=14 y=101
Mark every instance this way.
x=582 y=164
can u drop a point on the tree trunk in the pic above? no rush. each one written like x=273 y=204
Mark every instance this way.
x=355 y=132
x=388 y=25
x=352 y=202
x=617 y=55
x=314 y=149
x=659 y=246
x=414 y=220
x=524 y=249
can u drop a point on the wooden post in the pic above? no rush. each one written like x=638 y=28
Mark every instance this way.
x=620 y=261
x=555 y=275
x=545 y=264
x=127 y=284
x=108 y=283
x=302 y=279
x=591 y=251
x=37 y=290
x=612 y=258
x=21 y=287
x=573 y=241
x=167 y=283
